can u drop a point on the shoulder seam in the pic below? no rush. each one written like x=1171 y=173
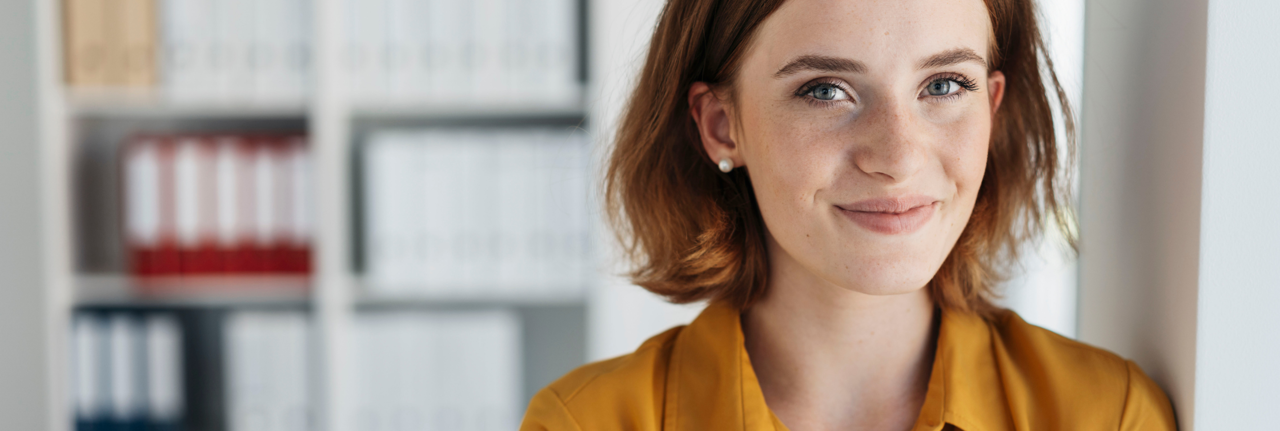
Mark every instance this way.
x=580 y=387
x=564 y=408
x=644 y=347
x=1071 y=343
x=1128 y=391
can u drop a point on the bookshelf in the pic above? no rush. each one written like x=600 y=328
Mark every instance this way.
x=82 y=131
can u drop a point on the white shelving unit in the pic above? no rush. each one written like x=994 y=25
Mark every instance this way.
x=70 y=118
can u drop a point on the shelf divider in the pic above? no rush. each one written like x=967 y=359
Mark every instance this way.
x=113 y=290
x=330 y=127
x=56 y=228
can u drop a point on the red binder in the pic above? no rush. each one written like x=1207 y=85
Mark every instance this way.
x=297 y=249
x=235 y=203
x=193 y=169
x=140 y=170
x=201 y=206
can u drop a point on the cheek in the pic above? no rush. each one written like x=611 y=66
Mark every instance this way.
x=789 y=162
x=787 y=159
x=964 y=155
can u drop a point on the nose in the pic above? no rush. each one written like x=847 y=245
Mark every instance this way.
x=890 y=145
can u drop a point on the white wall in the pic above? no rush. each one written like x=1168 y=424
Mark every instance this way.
x=1142 y=128
x=24 y=373
x=1238 y=333
x=1180 y=187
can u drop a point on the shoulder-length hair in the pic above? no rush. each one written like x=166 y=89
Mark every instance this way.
x=694 y=233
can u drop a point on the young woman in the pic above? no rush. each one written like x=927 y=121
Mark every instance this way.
x=843 y=180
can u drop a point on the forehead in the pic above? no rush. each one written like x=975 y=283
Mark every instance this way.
x=884 y=33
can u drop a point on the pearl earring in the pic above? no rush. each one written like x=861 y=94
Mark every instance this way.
x=726 y=165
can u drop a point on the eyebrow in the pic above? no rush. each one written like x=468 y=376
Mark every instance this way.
x=820 y=63
x=824 y=63
x=952 y=57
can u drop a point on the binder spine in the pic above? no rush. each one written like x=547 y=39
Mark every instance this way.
x=301 y=210
x=85 y=42
x=165 y=401
x=268 y=369
x=167 y=260
x=476 y=213
x=126 y=408
x=141 y=169
x=440 y=370
x=137 y=46
x=88 y=358
x=201 y=205
x=195 y=197
x=244 y=229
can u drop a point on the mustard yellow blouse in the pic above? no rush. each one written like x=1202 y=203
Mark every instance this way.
x=1001 y=374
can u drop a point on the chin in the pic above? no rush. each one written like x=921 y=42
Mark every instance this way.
x=883 y=275
x=885 y=284
x=890 y=264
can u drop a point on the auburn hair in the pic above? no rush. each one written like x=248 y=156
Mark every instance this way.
x=694 y=233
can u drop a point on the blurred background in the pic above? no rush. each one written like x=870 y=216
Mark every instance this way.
x=382 y=215
x=461 y=260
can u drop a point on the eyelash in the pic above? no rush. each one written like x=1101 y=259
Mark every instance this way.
x=964 y=82
x=968 y=84
x=808 y=87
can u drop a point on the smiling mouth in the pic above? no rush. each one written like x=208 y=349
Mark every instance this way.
x=891 y=216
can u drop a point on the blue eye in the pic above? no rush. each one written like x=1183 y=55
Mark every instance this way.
x=947 y=85
x=827 y=92
x=942 y=87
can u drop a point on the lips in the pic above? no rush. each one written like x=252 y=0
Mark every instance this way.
x=891 y=216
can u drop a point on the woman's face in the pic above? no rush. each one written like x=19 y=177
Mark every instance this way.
x=864 y=126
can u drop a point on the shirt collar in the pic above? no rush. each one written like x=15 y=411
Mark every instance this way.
x=711 y=385
x=965 y=387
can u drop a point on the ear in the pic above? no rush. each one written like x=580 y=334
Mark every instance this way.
x=995 y=87
x=713 y=119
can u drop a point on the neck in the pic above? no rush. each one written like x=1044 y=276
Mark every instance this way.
x=828 y=357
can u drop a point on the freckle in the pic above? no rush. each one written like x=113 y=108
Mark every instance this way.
x=886 y=33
